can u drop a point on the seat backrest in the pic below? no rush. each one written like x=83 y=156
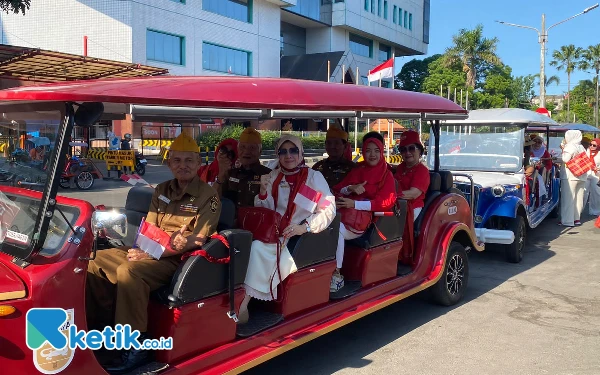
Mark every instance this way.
x=197 y=278
x=446 y=181
x=435 y=184
x=228 y=213
x=391 y=227
x=313 y=248
x=136 y=207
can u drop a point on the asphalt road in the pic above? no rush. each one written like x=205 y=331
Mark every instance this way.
x=541 y=316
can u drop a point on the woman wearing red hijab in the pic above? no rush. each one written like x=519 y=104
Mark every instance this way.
x=412 y=175
x=226 y=155
x=592 y=190
x=368 y=187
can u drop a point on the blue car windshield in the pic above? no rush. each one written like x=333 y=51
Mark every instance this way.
x=479 y=148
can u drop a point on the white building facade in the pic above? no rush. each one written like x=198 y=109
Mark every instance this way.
x=221 y=37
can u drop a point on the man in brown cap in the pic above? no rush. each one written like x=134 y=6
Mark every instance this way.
x=337 y=165
x=241 y=184
x=186 y=208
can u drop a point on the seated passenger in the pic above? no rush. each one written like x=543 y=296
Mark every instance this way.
x=538 y=150
x=411 y=174
x=184 y=207
x=278 y=191
x=242 y=183
x=37 y=153
x=338 y=163
x=225 y=158
x=369 y=187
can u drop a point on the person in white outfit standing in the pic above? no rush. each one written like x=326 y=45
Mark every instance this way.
x=592 y=190
x=572 y=187
x=302 y=197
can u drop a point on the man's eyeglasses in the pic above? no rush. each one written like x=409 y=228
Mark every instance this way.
x=593 y=145
x=291 y=151
x=538 y=142
x=410 y=148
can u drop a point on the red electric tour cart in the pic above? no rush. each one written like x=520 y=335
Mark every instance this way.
x=47 y=240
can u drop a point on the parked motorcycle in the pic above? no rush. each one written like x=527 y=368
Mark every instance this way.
x=140 y=163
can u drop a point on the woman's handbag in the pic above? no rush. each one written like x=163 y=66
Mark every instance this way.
x=580 y=164
x=262 y=222
x=356 y=220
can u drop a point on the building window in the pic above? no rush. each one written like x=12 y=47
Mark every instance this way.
x=410 y=21
x=307 y=8
x=365 y=80
x=400 y=17
x=225 y=59
x=395 y=15
x=385 y=84
x=240 y=10
x=165 y=47
x=385 y=10
x=367 y=5
x=373 y=6
x=361 y=46
x=426 y=10
x=379 y=8
x=385 y=52
x=405 y=19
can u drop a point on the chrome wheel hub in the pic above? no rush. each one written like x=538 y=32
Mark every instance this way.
x=455 y=274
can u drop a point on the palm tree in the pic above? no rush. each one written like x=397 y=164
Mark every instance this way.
x=591 y=60
x=567 y=58
x=472 y=50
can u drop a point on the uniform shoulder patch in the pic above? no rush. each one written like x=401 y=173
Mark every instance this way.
x=214 y=203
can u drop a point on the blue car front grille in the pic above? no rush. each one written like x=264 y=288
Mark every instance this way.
x=466 y=190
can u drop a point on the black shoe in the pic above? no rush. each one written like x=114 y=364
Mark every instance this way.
x=131 y=359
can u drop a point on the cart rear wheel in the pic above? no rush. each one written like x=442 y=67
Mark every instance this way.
x=84 y=180
x=451 y=287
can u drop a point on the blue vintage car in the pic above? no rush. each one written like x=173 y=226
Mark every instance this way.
x=486 y=155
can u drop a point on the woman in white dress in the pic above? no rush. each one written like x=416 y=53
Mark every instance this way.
x=572 y=187
x=592 y=190
x=302 y=210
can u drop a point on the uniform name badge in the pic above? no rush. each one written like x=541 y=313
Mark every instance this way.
x=233 y=179
x=164 y=199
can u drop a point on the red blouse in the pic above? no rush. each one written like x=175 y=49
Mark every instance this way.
x=414 y=177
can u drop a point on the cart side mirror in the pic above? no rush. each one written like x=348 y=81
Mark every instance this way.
x=87 y=114
x=111 y=224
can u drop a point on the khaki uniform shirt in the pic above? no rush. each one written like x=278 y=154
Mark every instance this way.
x=243 y=185
x=334 y=172
x=198 y=208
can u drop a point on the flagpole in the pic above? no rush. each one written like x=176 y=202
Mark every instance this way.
x=343 y=82
x=393 y=69
x=328 y=76
x=356 y=118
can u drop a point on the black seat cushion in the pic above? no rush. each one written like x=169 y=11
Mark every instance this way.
x=313 y=248
x=432 y=193
x=391 y=227
x=228 y=212
x=197 y=278
x=136 y=207
x=447 y=181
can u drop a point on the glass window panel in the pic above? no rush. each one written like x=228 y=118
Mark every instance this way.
x=361 y=46
x=395 y=15
x=379 y=8
x=385 y=10
x=400 y=17
x=373 y=6
x=164 y=47
x=385 y=52
x=235 y=9
x=308 y=8
x=224 y=59
x=410 y=21
x=367 y=5
x=405 y=19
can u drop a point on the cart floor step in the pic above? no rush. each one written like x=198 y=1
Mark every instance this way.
x=259 y=321
x=150 y=368
x=403 y=269
x=350 y=287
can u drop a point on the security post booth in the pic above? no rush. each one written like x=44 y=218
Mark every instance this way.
x=122 y=161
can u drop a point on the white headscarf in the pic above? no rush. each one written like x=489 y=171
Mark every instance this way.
x=297 y=142
x=573 y=139
x=540 y=152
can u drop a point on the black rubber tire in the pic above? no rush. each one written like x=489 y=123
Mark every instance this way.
x=450 y=288
x=140 y=169
x=84 y=181
x=64 y=183
x=514 y=251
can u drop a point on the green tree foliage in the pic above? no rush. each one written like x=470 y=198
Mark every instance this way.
x=413 y=74
x=523 y=91
x=473 y=52
x=591 y=60
x=567 y=59
x=444 y=76
x=497 y=90
x=15 y=6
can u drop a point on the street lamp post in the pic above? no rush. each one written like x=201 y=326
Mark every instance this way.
x=542 y=40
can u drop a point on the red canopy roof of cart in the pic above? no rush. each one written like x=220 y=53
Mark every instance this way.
x=237 y=92
x=34 y=64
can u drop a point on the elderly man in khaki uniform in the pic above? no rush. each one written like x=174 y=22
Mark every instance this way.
x=184 y=207
x=336 y=166
x=242 y=184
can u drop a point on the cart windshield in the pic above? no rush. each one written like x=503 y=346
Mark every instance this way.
x=479 y=148
x=27 y=144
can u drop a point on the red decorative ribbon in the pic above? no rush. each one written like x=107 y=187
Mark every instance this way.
x=206 y=255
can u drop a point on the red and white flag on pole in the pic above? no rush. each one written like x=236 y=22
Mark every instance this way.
x=385 y=70
x=152 y=240
x=133 y=179
x=308 y=198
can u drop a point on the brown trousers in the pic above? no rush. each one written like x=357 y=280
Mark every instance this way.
x=111 y=273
